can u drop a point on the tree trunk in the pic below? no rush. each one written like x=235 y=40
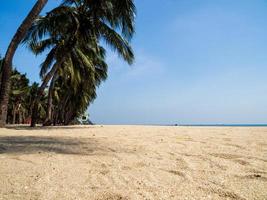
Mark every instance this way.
x=14 y=114
x=23 y=117
x=19 y=113
x=7 y=64
x=41 y=89
x=63 y=109
x=68 y=117
x=48 y=118
x=55 y=117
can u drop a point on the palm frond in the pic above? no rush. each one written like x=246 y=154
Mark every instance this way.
x=117 y=43
x=49 y=60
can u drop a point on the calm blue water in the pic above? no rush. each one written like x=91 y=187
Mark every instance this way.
x=235 y=125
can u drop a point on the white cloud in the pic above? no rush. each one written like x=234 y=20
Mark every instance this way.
x=144 y=65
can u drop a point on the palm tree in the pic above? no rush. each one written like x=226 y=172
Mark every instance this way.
x=75 y=30
x=21 y=98
x=78 y=87
x=7 y=63
x=41 y=105
x=17 y=106
x=17 y=98
x=48 y=118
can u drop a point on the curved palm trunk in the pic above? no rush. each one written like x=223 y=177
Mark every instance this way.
x=63 y=109
x=19 y=113
x=55 y=117
x=7 y=63
x=41 y=89
x=14 y=115
x=48 y=119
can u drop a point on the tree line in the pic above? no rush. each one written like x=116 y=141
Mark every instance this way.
x=21 y=97
x=75 y=34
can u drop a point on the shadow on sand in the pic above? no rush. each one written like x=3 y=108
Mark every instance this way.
x=59 y=145
x=27 y=127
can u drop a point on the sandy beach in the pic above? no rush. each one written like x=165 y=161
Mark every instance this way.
x=133 y=162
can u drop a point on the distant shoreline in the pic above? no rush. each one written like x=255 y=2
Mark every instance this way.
x=220 y=125
x=27 y=127
x=187 y=125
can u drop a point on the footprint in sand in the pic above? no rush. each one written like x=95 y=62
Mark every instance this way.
x=111 y=196
x=222 y=192
x=254 y=176
x=177 y=173
x=226 y=194
x=184 y=138
x=126 y=168
x=234 y=145
x=256 y=171
x=227 y=139
x=182 y=164
x=225 y=155
x=233 y=157
x=140 y=164
x=241 y=162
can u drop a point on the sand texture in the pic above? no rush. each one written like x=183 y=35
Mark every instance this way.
x=133 y=162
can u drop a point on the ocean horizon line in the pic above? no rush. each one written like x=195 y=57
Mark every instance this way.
x=177 y=124
x=235 y=125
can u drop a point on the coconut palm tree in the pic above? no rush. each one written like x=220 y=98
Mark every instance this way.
x=17 y=101
x=19 y=86
x=41 y=105
x=75 y=95
x=7 y=63
x=73 y=32
x=48 y=118
x=21 y=98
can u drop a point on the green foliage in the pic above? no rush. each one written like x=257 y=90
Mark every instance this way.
x=20 y=98
x=72 y=34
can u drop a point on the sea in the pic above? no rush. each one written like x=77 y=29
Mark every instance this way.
x=230 y=125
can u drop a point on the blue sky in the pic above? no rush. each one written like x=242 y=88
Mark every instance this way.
x=197 y=61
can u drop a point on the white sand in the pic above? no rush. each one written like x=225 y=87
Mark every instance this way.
x=133 y=162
